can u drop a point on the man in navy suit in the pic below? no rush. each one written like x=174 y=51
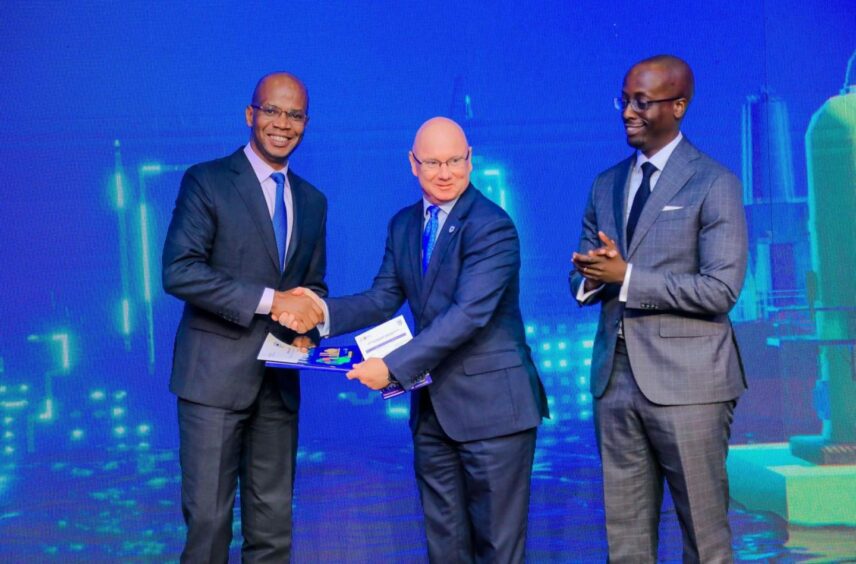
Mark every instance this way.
x=244 y=230
x=454 y=256
x=663 y=250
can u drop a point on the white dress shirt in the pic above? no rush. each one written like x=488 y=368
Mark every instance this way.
x=445 y=210
x=659 y=160
x=263 y=172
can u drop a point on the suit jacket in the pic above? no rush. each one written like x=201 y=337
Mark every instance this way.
x=689 y=255
x=219 y=255
x=469 y=330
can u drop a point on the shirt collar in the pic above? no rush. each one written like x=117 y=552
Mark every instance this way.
x=446 y=207
x=261 y=168
x=661 y=157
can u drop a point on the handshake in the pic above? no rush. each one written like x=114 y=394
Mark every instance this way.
x=299 y=309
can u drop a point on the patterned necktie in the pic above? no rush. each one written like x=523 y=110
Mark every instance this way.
x=429 y=236
x=639 y=200
x=280 y=218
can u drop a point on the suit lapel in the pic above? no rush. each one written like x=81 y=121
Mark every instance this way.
x=248 y=187
x=675 y=175
x=299 y=215
x=413 y=240
x=449 y=232
x=620 y=188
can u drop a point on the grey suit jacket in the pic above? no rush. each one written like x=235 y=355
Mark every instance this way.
x=219 y=255
x=689 y=255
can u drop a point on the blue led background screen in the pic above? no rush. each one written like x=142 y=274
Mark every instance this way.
x=104 y=105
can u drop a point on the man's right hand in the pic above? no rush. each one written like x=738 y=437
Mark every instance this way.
x=601 y=265
x=301 y=291
x=296 y=310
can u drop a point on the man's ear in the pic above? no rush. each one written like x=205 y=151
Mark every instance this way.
x=680 y=108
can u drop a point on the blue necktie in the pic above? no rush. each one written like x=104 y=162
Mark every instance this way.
x=280 y=218
x=429 y=236
x=639 y=200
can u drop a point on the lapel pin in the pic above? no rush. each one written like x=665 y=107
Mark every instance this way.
x=452 y=229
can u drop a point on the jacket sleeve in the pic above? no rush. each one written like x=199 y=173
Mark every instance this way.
x=490 y=261
x=375 y=305
x=588 y=241
x=722 y=257
x=187 y=272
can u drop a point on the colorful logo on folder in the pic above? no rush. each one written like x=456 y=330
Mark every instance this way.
x=334 y=356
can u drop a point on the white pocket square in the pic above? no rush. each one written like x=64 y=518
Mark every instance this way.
x=672 y=208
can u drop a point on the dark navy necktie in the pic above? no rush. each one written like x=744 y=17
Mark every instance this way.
x=429 y=236
x=280 y=217
x=639 y=200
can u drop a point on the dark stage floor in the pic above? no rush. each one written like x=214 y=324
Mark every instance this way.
x=357 y=503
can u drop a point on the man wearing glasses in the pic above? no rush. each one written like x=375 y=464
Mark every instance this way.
x=663 y=250
x=244 y=230
x=454 y=256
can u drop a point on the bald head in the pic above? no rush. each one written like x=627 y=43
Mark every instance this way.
x=440 y=159
x=439 y=132
x=275 y=80
x=676 y=73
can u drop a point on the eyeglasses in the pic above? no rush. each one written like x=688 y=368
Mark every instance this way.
x=638 y=105
x=272 y=112
x=434 y=165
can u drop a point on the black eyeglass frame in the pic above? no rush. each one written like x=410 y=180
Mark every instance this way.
x=294 y=116
x=639 y=105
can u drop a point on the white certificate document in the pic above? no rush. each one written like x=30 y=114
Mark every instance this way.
x=275 y=350
x=385 y=338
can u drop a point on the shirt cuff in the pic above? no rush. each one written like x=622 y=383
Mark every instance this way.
x=582 y=295
x=324 y=326
x=622 y=294
x=266 y=303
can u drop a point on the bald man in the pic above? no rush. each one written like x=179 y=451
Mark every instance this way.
x=245 y=229
x=454 y=256
x=663 y=250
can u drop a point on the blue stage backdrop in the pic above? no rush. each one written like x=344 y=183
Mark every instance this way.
x=105 y=104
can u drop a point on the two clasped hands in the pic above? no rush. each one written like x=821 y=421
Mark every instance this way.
x=301 y=310
x=603 y=265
